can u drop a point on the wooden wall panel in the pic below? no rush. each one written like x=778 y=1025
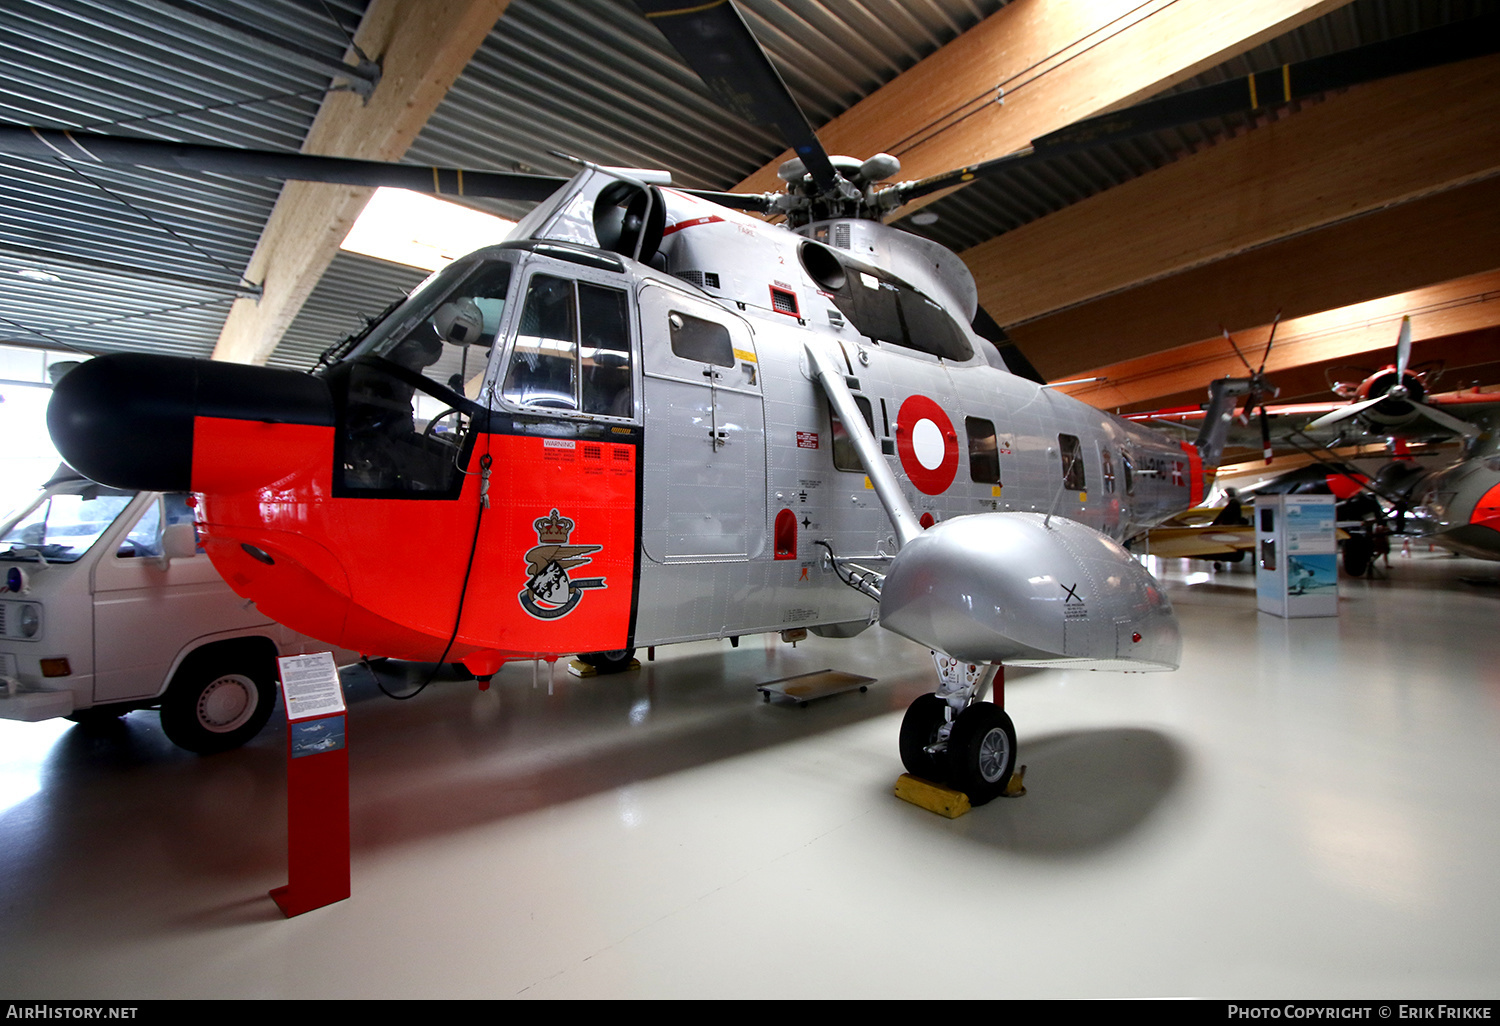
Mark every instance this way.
x=1428 y=241
x=1364 y=333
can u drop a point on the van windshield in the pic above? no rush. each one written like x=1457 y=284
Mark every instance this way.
x=63 y=523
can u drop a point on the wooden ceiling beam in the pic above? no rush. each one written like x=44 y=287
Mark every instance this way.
x=1378 y=144
x=1431 y=240
x=423 y=46
x=1058 y=61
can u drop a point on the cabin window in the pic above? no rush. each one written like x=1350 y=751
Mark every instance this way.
x=700 y=341
x=449 y=342
x=984 y=453
x=1072 y=463
x=572 y=349
x=845 y=457
x=1107 y=470
x=1128 y=470
x=144 y=539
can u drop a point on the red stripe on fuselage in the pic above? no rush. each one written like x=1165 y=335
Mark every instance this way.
x=1195 y=474
x=695 y=222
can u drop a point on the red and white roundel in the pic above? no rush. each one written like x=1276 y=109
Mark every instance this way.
x=927 y=443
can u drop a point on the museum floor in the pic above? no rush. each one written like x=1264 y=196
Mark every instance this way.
x=1308 y=808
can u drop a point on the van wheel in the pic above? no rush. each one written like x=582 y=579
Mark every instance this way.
x=216 y=705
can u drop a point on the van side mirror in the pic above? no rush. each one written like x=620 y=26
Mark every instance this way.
x=179 y=541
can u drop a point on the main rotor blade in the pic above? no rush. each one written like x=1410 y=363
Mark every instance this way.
x=1458 y=41
x=758 y=202
x=1265 y=357
x=87 y=148
x=717 y=44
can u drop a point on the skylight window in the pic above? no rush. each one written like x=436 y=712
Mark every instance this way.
x=421 y=231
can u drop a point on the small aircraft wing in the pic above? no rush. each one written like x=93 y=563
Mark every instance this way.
x=1200 y=542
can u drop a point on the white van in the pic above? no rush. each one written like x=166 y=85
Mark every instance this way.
x=107 y=605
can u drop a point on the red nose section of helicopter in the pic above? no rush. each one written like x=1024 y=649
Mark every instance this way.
x=545 y=566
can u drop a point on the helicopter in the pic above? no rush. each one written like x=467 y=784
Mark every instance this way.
x=651 y=417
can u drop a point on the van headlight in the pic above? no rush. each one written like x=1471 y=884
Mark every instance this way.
x=31 y=620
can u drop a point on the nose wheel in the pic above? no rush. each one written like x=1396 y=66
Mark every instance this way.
x=952 y=738
x=981 y=752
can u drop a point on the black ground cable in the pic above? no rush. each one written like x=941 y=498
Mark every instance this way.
x=485 y=463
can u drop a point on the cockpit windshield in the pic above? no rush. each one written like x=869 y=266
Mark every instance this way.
x=63 y=523
x=445 y=329
x=406 y=393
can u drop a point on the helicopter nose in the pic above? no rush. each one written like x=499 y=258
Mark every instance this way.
x=129 y=420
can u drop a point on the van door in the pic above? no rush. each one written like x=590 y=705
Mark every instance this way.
x=705 y=472
x=145 y=612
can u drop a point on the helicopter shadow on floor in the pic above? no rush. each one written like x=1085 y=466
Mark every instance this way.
x=1087 y=791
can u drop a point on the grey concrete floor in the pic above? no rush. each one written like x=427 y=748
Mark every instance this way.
x=1307 y=808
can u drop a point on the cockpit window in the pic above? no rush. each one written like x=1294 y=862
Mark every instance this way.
x=406 y=393
x=449 y=342
x=544 y=365
x=572 y=349
x=63 y=524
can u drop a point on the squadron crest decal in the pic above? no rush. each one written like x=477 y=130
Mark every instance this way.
x=550 y=593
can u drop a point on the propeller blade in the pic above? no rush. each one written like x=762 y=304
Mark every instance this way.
x=1430 y=48
x=1265 y=433
x=1403 y=350
x=717 y=44
x=1343 y=413
x=87 y=148
x=1447 y=420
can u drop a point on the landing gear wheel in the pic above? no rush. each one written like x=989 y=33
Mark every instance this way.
x=617 y=661
x=919 y=728
x=981 y=752
x=213 y=708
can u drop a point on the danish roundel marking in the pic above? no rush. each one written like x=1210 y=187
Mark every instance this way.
x=927 y=444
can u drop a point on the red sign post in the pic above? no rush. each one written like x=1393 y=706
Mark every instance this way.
x=317 y=785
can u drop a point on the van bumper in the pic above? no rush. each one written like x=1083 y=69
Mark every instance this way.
x=32 y=706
